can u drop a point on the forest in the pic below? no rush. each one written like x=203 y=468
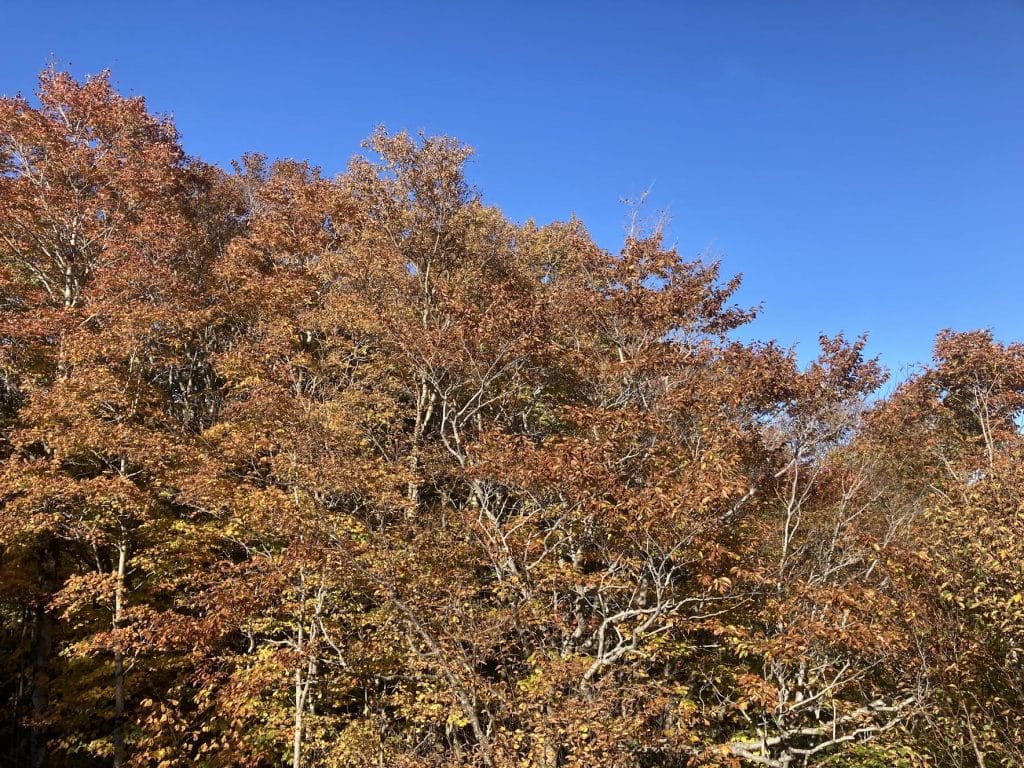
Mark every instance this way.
x=355 y=471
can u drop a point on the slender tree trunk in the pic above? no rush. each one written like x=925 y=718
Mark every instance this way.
x=119 y=750
x=979 y=756
x=42 y=649
x=425 y=401
x=297 y=736
x=300 y=693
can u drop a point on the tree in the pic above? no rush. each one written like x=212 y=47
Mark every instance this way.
x=99 y=256
x=950 y=438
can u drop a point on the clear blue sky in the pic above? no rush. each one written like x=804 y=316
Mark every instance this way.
x=861 y=163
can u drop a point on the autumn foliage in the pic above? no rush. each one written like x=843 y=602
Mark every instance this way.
x=358 y=472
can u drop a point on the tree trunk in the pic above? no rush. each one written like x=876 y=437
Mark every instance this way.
x=42 y=649
x=300 y=688
x=119 y=750
x=425 y=401
x=297 y=735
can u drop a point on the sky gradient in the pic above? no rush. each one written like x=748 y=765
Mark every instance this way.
x=861 y=163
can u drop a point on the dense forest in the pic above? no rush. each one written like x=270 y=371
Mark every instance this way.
x=311 y=472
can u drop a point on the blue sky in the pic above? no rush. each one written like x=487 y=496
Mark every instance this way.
x=861 y=163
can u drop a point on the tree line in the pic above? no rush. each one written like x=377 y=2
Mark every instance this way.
x=358 y=472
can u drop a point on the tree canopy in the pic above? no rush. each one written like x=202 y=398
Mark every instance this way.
x=358 y=472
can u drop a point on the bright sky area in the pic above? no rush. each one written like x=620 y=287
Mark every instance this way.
x=861 y=163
